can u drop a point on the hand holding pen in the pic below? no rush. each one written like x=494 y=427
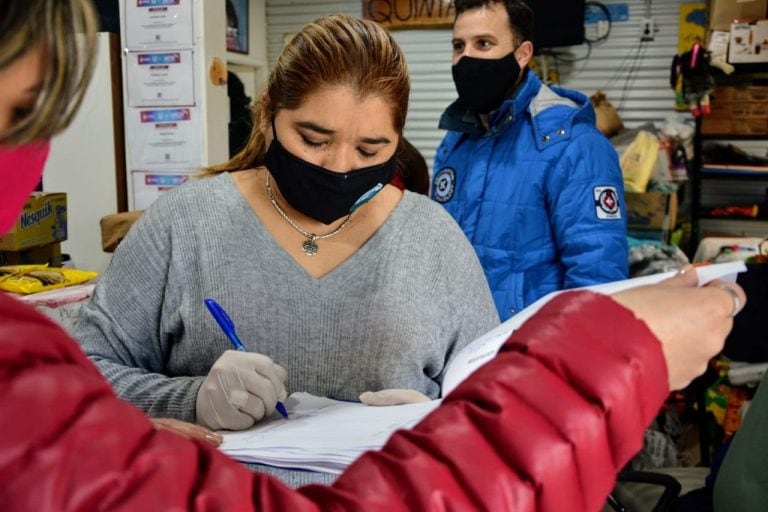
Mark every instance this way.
x=241 y=387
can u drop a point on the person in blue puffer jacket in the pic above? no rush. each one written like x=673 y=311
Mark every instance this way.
x=535 y=186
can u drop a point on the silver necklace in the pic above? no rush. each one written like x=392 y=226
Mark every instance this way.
x=309 y=246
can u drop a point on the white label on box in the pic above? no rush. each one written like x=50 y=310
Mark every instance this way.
x=167 y=139
x=749 y=42
x=160 y=79
x=718 y=44
x=148 y=186
x=158 y=23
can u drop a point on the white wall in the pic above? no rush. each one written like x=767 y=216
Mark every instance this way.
x=84 y=163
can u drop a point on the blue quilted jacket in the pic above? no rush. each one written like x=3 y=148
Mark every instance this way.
x=539 y=195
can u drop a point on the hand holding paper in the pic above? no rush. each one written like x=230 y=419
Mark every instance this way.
x=690 y=322
x=484 y=348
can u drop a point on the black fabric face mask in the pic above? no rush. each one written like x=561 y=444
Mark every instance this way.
x=483 y=84
x=322 y=194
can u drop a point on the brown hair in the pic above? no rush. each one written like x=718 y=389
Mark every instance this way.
x=412 y=168
x=333 y=50
x=520 y=16
x=54 y=24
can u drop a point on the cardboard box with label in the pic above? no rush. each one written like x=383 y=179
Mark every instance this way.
x=739 y=110
x=749 y=42
x=42 y=221
x=650 y=215
x=718 y=44
x=49 y=254
x=724 y=12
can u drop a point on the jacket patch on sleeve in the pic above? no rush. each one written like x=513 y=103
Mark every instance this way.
x=607 y=203
x=444 y=185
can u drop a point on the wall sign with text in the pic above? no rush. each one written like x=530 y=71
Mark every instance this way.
x=158 y=23
x=160 y=79
x=410 y=13
x=165 y=138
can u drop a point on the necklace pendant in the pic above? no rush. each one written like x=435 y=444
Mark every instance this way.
x=309 y=247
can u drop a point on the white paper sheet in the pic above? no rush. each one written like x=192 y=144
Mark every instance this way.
x=484 y=348
x=167 y=139
x=160 y=79
x=158 y=23
x=148 y=186
x=321 y=434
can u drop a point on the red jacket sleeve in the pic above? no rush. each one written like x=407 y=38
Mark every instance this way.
x=544 y=426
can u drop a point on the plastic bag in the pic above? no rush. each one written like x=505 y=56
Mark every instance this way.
x=639 y=162
x=26 y=279
x=607 y=118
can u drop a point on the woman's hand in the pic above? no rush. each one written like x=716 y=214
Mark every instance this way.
x=240 y=389
x=690 y=322
x=188 y=430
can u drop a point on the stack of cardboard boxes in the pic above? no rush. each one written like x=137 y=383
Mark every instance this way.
x=738 y=34
x=651 y=215
x=37 y=235
x=738 y=30
x=737 y=110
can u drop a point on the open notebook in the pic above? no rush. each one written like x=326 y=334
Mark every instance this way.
x=327 y=435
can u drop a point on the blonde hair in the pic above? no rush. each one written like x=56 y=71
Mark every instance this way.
x=333 y=50
x=52 y=25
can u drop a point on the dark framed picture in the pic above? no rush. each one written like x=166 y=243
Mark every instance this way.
x=237 y=26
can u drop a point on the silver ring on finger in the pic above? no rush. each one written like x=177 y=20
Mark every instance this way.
x=734 y=296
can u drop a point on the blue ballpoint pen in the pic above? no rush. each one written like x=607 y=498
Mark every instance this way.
x=226 y=324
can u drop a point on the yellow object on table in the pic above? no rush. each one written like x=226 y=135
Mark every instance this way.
x=26 y=279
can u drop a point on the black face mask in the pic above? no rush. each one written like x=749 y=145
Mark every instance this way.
x=483 y=84
x=322 y=194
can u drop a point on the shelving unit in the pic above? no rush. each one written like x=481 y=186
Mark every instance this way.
x=722 y=184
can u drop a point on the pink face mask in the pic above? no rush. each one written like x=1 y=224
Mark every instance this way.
x=20 y=170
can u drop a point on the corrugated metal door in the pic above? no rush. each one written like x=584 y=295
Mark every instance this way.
x=634 y=75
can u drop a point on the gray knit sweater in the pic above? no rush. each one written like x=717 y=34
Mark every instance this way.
x=390 y=316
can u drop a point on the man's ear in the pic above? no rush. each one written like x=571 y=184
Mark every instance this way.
x=524 y=53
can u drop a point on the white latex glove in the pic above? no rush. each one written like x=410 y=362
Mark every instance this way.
x=393 y=397
x=240 y=389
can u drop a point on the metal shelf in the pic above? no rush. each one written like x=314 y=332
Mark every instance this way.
x=731 y=174
x=704 y=216
x=732 y=136
x=698 y=175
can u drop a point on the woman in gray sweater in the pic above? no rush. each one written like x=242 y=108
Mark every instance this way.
x=338 y=282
